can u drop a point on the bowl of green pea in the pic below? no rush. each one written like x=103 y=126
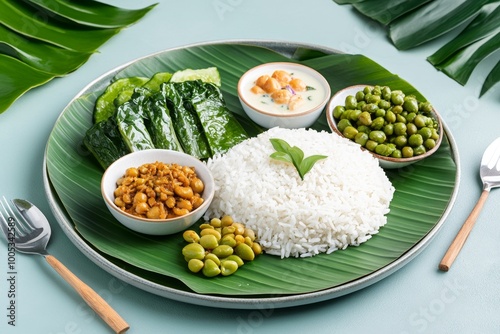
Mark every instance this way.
x=397 y=128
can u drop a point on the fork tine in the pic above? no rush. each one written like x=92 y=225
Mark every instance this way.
x=24 y=231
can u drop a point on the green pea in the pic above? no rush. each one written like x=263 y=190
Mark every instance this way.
x=378 y=123
x=415 y=140
x=425 y=107
x=407 y=152
x=396 y=154
x=350 y=102
x=372 y=98
x=411 y=129
x=410 y=117
x=350 y=132
x=383 y=149
x=435 y=134
x=378 y=136
x=400 y=118
x=365 y=118
x=354 y=115
x=397 y=98
x=360 y=95
x=367 y=90
x=400 y=129
x=380 y=113
x=338 y=111
x=370 y=107
x=410 y=105
x=342 y=124
x=210 y=269
x=389 y=129
x=425 y=132
x=360 y=105
x=361 y=138
x=419 y=150
x=397 y=109
x=386 y=93
x=364 y=128
x=390 y=116
x=383 y=104
x=228 y=267
x=377 y=90
x=429 y=143
x=400 y=141
x=371 y=145
x=420 y=121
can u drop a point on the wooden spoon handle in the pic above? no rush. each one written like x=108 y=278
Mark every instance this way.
x=96 y=302
x=462 y=235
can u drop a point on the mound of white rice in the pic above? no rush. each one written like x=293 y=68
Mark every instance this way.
x=342 y=201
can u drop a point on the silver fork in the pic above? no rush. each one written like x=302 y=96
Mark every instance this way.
x=28 y=230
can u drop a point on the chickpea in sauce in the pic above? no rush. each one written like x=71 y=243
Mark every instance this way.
x=159 y=191
x=282 y=87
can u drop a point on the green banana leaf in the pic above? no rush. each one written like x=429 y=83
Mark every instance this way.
x=93 y=13
x=16 y=78
x=423 y=190
x=40 y=55
x=412 y=23
x=55 y=37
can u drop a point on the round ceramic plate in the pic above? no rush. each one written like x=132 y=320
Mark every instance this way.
x=72 y=180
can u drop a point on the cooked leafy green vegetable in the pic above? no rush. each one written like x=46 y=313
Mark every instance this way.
x=106 y=106
x=159 y=123
x=285 y=152
x=105 y=142
x=130 y=122
x=189 y=116
x=220 y=127
x=186 y=123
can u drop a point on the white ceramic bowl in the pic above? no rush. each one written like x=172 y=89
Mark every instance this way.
x=155 y=226
x=385 y=162
x=304 y=116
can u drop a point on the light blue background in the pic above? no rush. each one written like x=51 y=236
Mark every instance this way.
x=416 y=299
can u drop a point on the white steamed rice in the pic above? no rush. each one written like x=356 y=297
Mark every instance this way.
x=342 y=201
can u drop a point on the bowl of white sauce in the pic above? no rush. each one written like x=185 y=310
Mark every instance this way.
x=283 y=94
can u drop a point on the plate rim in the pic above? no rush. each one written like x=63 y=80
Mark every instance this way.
x=233 y=302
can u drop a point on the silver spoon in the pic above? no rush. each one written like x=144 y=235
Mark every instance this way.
x=30 y=231
x=490 y=176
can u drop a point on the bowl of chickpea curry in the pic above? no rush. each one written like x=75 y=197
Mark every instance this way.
x=397 y=128
x=157 y=191
x=283 y=94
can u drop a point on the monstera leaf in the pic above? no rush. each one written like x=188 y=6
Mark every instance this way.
x=413 y=22
x=42 y=39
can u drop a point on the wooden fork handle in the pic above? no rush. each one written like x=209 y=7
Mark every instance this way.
x=462 y=235
x=96 y=302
